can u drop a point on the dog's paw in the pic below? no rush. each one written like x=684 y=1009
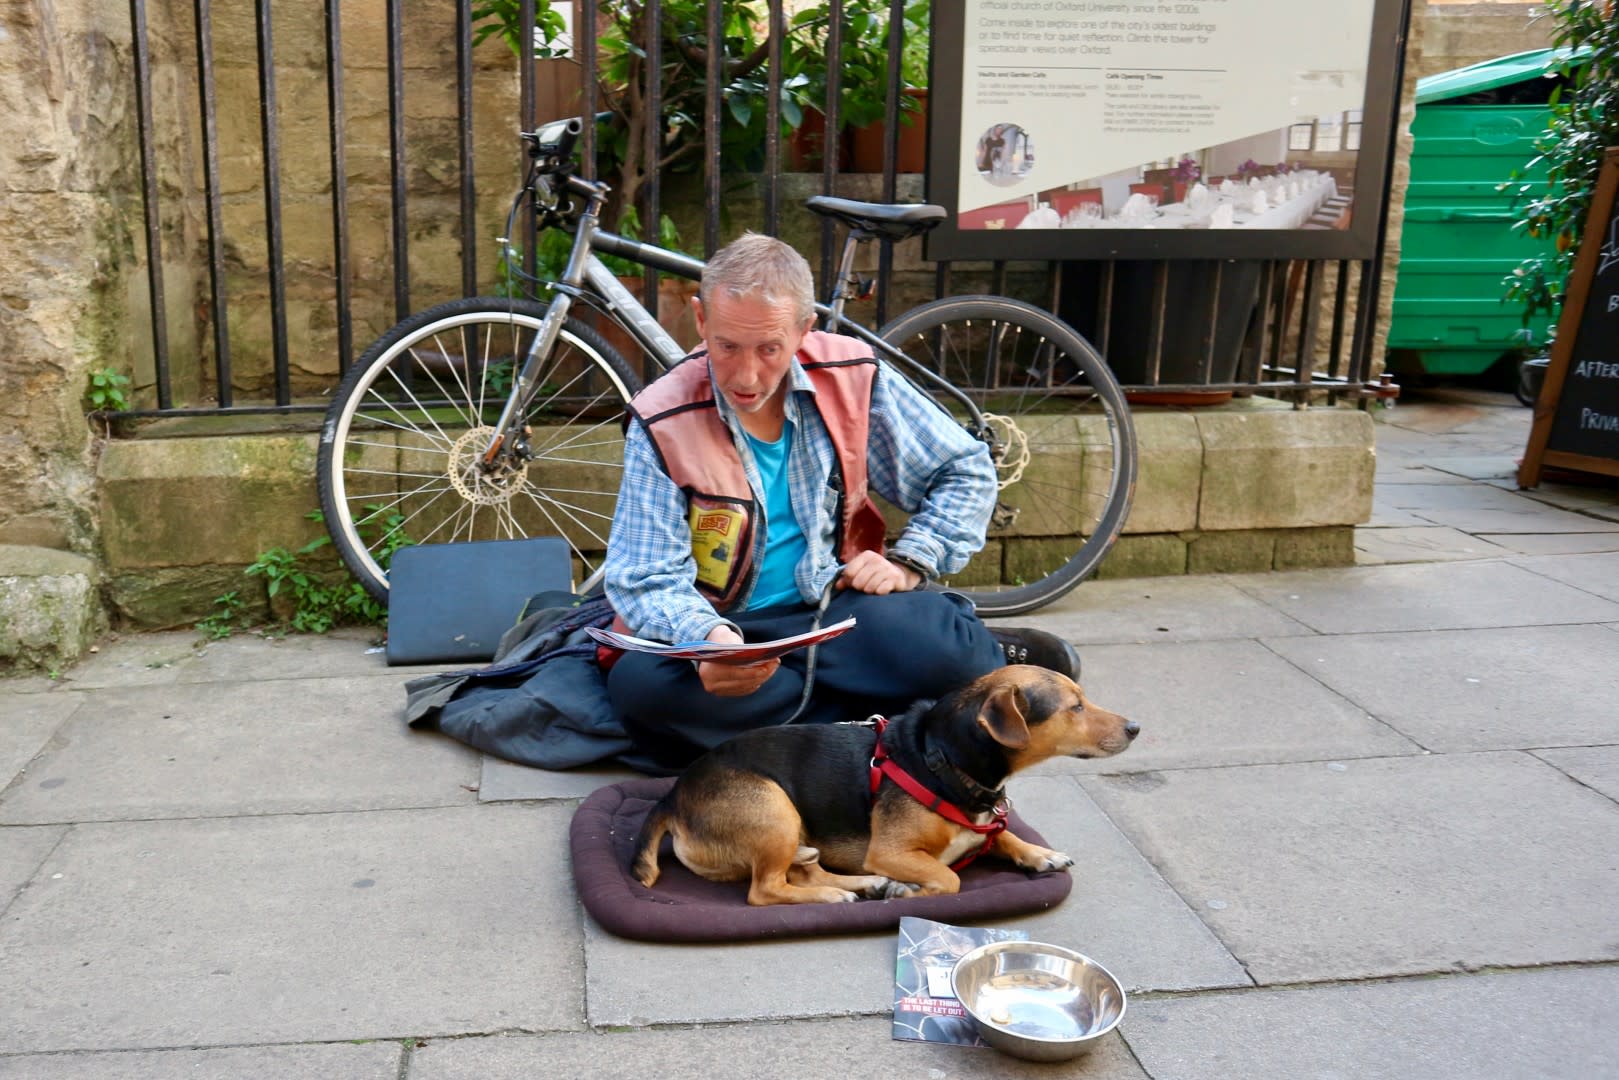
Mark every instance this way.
x=846 y=897
x=899 y=890
x=1044 y=859
x=876 y=888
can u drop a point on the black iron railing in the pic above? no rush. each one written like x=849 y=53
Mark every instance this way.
x=1285 y=328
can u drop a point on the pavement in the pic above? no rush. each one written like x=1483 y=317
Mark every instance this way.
x=1370 y=830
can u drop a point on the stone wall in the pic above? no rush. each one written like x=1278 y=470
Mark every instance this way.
x=68 y=175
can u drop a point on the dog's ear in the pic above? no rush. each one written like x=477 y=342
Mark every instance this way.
x=1004 y=716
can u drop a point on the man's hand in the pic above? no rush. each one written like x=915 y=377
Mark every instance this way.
x=733 y=680
x=869 y=572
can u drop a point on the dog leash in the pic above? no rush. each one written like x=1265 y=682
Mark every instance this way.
x=882 y=764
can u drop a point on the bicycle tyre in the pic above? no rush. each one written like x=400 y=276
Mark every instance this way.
x=1054 y=521
x=398 y=449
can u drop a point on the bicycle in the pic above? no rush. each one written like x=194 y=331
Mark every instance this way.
x=491 y=418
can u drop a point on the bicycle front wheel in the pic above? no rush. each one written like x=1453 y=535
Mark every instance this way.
x=401 y=446
x=1066 y=447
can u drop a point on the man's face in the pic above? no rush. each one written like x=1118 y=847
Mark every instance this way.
x=750 y=344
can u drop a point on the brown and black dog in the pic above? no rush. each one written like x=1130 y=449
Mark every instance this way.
x=790 y=809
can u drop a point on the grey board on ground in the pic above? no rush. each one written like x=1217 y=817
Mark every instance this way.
x=1144 y=610
x=266 y=747
x=1434 y=596
x=804 y=1050
x=306 y=928
x=368 y=1061
x=1490 y=689
x=1120 y=912
x=1205 y=703
x=1555 y=1024
x=1362 y=869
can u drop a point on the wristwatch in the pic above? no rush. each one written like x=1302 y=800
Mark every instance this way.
x=913 y=565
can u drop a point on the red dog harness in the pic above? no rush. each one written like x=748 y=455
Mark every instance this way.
x=883 y=765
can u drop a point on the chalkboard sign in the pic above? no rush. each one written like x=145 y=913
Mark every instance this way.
x=1577 y=415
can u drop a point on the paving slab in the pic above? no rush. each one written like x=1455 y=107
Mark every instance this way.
x=1140 y=610
x=1477 y=508
x=1398 y=467
x=1554 y=543
x=286 y=746
x=506 y=781
x=321 y=927
x=1387 y=516
x=1597 y=767
x=1455 y=690
x=22 y=850
x=349 y=650
x=1484 y=467
x=1425 y=596
x=1120 y=912
x=27 y=724
x=1223 y=703
x=372 y=1061
x=1538 y=1025
x=1367 y=869
x=803 y=1050
x=142 y=659
x=1423 y=543
x=1597 y=574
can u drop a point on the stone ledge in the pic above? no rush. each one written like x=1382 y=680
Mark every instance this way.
x=1252 y=486
x=50 y=607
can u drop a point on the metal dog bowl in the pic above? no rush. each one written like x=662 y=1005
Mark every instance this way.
x=1037 y=1001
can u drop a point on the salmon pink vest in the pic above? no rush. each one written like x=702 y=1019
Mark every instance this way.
x=680 y=417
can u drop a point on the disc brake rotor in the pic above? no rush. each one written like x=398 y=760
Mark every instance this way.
x=467 y=474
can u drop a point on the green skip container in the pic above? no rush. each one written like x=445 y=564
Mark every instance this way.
x=1473 y=127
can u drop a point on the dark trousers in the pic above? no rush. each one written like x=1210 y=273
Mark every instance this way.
x=907 y=646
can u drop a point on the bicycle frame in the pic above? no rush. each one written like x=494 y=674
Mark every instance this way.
x=588 y=279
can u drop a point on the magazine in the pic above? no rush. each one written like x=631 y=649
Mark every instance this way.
x=749 y=652
x=925 y=1007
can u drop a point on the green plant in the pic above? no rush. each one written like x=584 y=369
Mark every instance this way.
x=106 y=391
x=226 y=620
x=863 y=67
x=501 y=17
x=321 y=598
x=1584 y=121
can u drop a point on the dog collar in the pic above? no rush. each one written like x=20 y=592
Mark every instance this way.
x=884 y=765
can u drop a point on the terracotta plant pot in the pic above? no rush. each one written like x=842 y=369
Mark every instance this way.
x=866 y=144
x=807 y=145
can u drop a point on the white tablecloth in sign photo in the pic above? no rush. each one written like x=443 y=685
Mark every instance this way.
x=1287 y=204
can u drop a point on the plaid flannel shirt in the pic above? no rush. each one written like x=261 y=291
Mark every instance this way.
x=918 y=457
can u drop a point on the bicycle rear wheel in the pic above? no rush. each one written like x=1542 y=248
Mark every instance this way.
x=400 y=447
x=1067 y=459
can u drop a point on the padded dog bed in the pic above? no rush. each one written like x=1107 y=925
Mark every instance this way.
x=685 y=907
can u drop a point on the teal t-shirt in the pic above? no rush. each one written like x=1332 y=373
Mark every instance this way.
x=784 y=540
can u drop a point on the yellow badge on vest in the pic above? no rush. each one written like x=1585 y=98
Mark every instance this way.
x=716 y=536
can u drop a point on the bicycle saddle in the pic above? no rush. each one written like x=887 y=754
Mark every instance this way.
x=891 y=221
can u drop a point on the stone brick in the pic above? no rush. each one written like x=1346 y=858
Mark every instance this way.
x=1240 y=551
x=164 y=598
x=1300 y=549
x=1144 y=556
x=188 y=502
x=1169 y=473
x=1285 y=468
x=50 y=611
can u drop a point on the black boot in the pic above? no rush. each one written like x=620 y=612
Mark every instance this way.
x=1023 y=645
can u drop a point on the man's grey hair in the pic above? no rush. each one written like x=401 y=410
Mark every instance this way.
x=757 y=265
